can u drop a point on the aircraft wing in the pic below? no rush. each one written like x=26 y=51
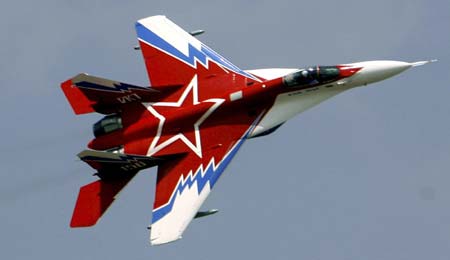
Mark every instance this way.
x=172 y=56
x=184 y=184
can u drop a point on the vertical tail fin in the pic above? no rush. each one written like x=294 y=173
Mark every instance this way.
x=95 y=198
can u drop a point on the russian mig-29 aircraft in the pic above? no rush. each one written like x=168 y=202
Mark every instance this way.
x=191 y=121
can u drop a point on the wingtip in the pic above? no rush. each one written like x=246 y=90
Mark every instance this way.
x=150 y=19
x=160 y=241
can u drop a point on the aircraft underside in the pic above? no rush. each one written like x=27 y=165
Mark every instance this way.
x=191 y=121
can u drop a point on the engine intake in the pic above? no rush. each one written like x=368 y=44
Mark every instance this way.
x=107 y=124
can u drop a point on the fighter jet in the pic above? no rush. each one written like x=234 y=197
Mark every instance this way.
x=190 y=122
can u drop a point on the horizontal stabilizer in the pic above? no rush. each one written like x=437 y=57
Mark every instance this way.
x=95 y=198
x=87 y=94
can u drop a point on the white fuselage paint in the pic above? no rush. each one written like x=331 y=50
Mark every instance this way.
x=287 y=105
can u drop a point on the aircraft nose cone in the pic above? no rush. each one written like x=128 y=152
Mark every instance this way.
x=373 y=71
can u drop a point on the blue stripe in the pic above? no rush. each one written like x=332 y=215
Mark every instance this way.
x=118 y=87
x=201 y=55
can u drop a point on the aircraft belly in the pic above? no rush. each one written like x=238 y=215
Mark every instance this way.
x=287 y=105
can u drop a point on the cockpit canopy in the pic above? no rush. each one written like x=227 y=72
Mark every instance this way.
x=312 y=76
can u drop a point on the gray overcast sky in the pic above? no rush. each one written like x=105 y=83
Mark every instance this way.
x=364 y=175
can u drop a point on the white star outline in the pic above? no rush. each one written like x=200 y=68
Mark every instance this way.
x=197 y=148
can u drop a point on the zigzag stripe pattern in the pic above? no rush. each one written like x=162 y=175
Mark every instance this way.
x=210 y=175
x=201 y=55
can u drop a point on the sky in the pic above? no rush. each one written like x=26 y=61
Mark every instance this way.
x=364 y=175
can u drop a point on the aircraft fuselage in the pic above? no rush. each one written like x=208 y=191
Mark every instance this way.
x=280 y=95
